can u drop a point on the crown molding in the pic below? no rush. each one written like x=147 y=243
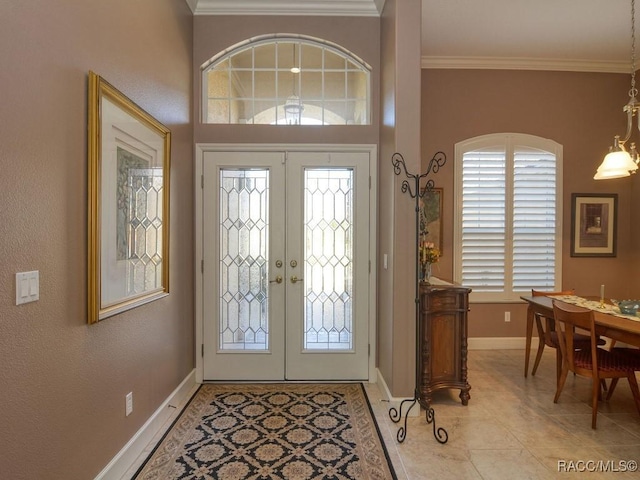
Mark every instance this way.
x=513 y=63
x=193 y=4
x=360 y=8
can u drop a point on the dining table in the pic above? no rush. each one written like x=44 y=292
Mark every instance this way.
x=624 y=329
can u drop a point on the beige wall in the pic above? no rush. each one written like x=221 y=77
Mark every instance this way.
x=399 y=132
x=63 y=382
x=582 y=112
x=360 y=35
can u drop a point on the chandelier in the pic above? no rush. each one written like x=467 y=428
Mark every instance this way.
x=622 y=161
x=293 y=107
x=293 y=110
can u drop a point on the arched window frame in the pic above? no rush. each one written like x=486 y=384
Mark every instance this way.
x=321 y=107
x=508 y=216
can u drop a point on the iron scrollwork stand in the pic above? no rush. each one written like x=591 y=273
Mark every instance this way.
x=416 y=192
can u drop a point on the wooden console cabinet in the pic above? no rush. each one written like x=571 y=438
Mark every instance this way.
x=443 y=340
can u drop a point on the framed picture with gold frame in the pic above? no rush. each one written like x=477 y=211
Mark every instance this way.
x=128 y=203
x=430 y=223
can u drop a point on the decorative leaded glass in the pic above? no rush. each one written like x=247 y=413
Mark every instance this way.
x=328 y=233
x=244 y=231
x=140 y=235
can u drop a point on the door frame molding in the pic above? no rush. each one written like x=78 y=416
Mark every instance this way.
x=202 y=148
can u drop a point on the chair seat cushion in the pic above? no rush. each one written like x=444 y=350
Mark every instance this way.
x=633 y=353
x=608 y=361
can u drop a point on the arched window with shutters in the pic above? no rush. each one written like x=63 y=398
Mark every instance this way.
x=508 y=216
x=286 y=80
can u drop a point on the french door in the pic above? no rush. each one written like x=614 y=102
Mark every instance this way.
x=286 y=265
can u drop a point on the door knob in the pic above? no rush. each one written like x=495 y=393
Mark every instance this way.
x=278 y=279
x=295 y=279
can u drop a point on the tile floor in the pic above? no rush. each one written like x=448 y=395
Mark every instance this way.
x=511 y=428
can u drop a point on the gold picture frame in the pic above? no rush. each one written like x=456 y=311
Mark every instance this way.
x=430 y=224
x=128 y=203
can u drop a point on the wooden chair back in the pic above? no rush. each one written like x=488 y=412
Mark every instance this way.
x=545 y=333
x=596 y=363
x=567 y=319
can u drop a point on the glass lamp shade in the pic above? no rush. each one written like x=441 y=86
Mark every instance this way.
x=615 y=165
x=293 y=110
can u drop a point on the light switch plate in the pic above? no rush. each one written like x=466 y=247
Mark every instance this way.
x=128 y=404
x=27 y=287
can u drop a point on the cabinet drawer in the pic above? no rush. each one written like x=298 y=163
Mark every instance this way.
x=443 y=300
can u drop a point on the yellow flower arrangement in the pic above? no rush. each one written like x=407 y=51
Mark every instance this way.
x=429 y=253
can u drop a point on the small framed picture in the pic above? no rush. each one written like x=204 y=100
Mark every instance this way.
x=431 y=217
x=593 y=224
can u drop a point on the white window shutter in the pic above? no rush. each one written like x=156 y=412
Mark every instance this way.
x=509 y=217
x=483 y=220
x=534 y=220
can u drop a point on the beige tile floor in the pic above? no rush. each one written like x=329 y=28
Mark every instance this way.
x=511 y=428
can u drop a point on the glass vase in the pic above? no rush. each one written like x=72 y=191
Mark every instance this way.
x=426 y=273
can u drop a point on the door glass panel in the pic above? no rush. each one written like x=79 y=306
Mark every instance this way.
x=328 y=233
x=244 y=232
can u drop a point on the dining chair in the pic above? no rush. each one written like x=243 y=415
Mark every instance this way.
x=547 y=335
x=595 y=362
x=632 y=354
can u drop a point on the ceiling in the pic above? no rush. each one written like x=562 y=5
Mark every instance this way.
x=574 y=35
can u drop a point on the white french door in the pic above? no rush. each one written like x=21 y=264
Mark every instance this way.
x=285 y=246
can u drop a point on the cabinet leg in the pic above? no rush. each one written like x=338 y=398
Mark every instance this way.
x=464 y=396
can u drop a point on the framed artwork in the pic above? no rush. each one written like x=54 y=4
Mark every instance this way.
x=593 y=224
x=128 y=195
x=431 y=217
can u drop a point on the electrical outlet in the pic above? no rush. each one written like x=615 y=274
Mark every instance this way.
x=128 y=404
x=507 y=317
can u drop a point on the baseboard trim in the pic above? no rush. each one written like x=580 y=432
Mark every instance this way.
x=119 y=465
x=475 y=343
x=125 y=458
x=393 y=401
x=500 y=343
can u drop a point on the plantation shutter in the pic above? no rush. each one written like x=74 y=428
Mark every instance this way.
x=508 y=220
x=534 y=220
x=483 y=220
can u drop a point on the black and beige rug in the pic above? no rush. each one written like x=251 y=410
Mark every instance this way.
x=272 y=431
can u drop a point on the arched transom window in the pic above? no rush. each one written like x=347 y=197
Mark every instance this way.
x=286 y=80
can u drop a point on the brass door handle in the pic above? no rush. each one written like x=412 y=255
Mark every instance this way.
x=295 y=279
x=277 y=280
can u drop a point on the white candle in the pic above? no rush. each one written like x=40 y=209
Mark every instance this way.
x=602 y=293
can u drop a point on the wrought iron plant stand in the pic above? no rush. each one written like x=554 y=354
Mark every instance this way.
x=411 y=185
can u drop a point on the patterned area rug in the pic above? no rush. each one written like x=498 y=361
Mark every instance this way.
x=272 y=431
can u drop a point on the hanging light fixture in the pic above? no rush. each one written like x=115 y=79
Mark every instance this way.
x=620 y=162
x=293 y=106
